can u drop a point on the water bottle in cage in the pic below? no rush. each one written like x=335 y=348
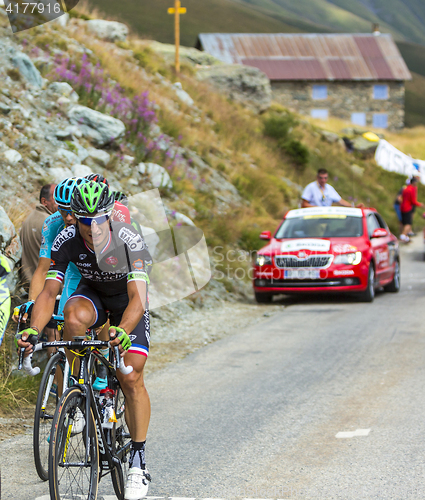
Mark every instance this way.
x=107 y=407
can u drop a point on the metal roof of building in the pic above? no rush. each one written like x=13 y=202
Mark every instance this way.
x=311 y=56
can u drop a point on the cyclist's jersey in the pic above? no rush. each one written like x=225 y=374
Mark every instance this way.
x=121 y=213
x=124 y=258
x=52 y=226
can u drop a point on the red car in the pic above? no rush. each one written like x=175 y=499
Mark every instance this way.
x=328 y=249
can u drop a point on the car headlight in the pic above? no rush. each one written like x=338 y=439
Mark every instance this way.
x=263 y=260
x=350 y=259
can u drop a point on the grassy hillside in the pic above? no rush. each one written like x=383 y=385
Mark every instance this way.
x=405 y=19
x=150 y=19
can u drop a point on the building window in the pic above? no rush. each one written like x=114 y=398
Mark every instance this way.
x=380 y=92
x=380 y=120
x=320 y=92
x=320 y=114
x=358 y=119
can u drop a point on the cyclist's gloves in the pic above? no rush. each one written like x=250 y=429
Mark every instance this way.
x=25 y=308
x=122 y=335
x=32 y=336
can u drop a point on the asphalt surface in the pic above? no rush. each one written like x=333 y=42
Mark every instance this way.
x=257 y=414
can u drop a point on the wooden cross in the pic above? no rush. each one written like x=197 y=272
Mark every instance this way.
x=177 y=10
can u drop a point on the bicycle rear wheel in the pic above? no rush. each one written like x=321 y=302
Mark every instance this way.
x=70 y=478
x=47 y=401
x=121 y=442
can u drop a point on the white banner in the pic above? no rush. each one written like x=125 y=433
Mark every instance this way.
x=393 y=160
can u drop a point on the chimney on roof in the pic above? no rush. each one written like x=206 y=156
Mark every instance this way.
x=375 y=29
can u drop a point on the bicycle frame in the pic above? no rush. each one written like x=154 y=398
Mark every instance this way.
x=106 y=456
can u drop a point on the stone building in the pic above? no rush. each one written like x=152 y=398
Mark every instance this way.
x=359 y=78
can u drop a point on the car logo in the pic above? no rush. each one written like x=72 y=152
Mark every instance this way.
x=82 y=256
x=302 y=255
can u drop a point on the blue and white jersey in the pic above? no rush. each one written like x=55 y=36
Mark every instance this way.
x=52 y=226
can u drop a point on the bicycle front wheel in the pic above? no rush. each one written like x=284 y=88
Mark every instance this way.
x=121 y=443
x=71 y=476
x=47 y=401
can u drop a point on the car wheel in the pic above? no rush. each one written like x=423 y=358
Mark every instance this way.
x=394 y=286
x=263 y=298
x=369 y=294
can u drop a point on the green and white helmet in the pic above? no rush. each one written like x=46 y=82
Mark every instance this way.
x=91 y=199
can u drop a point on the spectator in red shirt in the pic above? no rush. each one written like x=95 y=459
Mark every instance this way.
x=408 y=203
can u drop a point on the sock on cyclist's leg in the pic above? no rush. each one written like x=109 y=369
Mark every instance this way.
x=137 y=455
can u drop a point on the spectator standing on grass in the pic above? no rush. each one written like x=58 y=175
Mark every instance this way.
x=397 y=203
x=31 y=232
x=320 y=194
x=408 y=204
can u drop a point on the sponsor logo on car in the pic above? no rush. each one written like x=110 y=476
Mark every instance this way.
x=343 y=272
x=344 y=248
x=306 y=244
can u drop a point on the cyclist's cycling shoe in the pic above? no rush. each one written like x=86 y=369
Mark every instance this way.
x=78 y=423
x=100 y=383
x=137 y=484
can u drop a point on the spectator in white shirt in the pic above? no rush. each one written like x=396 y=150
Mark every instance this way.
x=321 y=194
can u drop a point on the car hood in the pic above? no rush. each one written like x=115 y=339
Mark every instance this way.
x=313 y=246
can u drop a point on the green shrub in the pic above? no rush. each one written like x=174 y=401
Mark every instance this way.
x=279 y=126
x=14 y=74
x=297 y=151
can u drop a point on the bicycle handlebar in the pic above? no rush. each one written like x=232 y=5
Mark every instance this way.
x=71 y=344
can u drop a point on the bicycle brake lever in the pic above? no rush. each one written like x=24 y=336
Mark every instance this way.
x=119 y=363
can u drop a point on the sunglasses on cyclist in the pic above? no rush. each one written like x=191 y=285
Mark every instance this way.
x=100 y=219
x=68 y=212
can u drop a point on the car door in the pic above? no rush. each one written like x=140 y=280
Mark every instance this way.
x=379 y=248
x=391 y=243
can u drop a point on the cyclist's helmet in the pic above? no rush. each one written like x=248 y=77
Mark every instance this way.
x=121 y=197
x=63 y=191
x=92 y=198
x=97 y=178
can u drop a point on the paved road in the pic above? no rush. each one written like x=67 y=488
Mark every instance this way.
x=257 y=414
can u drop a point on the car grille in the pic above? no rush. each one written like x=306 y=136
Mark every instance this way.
x=288 y=261
x=305 y=284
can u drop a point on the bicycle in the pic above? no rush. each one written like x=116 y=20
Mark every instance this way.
x=84 y=435
x=47 y=400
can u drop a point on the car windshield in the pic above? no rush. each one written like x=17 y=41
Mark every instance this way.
x=313 y=226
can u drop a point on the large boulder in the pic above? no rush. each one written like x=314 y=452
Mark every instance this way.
x=99 y=128
x=27 y=69
x=12 y=157
x=99 y=157
x=243 y=84
x=63 y=89
x=157 y=175
x=9 y=240
x=110 y=31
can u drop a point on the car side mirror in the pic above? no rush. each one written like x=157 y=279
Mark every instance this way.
x=379 y=233
x=266 y=235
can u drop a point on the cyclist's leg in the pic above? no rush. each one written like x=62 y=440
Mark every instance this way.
x=137 y=408
x=83 y=310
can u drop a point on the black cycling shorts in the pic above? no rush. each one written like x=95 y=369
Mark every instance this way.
x=115 y=306
x=406 y=218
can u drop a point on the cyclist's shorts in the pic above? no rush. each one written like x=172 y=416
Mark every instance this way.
x=115 y=306
x=52 y=323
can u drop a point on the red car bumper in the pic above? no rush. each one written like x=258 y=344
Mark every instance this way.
x=334 y=279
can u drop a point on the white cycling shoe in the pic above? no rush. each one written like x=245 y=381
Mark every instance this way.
x=79 y=423
x=137 y=484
